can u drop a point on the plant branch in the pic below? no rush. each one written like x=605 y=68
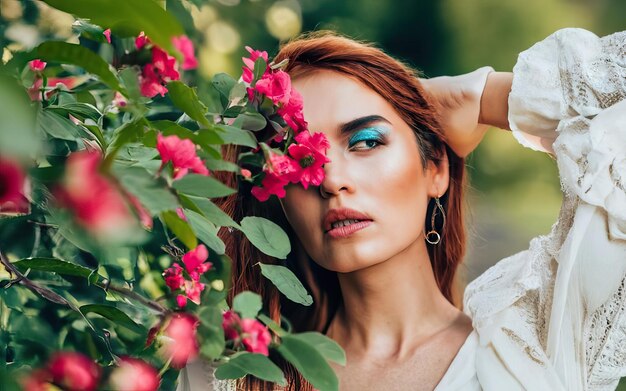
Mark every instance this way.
x=107 y=286
x=42 y=291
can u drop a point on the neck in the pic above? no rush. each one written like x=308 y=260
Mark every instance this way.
x=391 y=306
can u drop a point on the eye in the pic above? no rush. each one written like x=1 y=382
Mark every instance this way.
x=369 y=144
x=367 y=139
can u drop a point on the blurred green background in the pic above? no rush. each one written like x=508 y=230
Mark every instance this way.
x=514 y=193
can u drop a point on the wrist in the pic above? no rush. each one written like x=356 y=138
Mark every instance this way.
x=494 y=102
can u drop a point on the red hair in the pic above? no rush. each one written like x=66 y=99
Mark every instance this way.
x=399 y=85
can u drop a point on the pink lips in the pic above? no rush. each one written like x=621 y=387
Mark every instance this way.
x=335 y=215
x=347 y=230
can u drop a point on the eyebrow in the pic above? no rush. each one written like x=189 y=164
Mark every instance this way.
x=360 y=122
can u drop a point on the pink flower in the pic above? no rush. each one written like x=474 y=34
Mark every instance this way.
x=231 y=323
x=248 y=69
x=141 y=41
x=74 y=371
x=256 y=338
x=134 y=374
x=37 y=65
x=182 y=345
x=14 y=185
x=246 y=173
x=276 y=86
x=107 y=35
x=174 y=277
x=181 y=300
x=119 y=100
x=193 y=290
x=181 y=213
x=271 y=184
x=185 y=46
x=292 y=112
x=182 y=154
x=95 y=201
x=194 y=261
x=310 y=153
x=252 y=333
x=160 y=71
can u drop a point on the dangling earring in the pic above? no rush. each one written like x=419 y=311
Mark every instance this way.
x=436 y=237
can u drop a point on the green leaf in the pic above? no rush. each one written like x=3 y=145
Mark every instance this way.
x=309 y=362
x=58 y=266
x=17 y=121
x=180 y=228
x=210 y=96
x=326 y=346
x=211 y=332
x=130 y=79
x=250 y=120
x=129 y=132
x=186 y=99
x=267 y=236
x=212 y=212
x=234 y=135
x=114 y=314
x=202 y=186
x=127 y=18
x=153 y=194
x=248 y=304
x=205 y=231
x=206 y=137
x=260 y=66
x=221 y=165
x=57 y=126
x=223 y=83
x=255 y=364
x=68 y=53
x=78 y=110
x=287 y=283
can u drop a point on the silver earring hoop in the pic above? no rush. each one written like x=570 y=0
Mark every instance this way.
x=432 y=236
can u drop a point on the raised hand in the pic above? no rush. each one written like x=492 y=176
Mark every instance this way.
x=458 y=102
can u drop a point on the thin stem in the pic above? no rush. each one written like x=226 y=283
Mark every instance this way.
x=107 y=286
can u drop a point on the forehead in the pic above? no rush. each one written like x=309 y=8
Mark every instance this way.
x=331 y=99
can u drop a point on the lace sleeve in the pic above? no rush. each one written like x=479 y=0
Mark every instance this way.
x=567 y=99
x=571 y=73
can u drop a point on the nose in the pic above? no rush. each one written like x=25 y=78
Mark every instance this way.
x=336 y=178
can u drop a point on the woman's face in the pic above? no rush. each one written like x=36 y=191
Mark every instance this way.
x=375 y=169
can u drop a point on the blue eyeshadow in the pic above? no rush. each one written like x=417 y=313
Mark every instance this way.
x=371 y=133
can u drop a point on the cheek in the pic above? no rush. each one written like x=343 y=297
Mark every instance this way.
x=303 y=212
x=396 y=186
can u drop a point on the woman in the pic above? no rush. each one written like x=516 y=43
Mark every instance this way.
x=548 y=318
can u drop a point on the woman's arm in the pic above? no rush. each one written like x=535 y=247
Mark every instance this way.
x=494 y=103
x=469 y=104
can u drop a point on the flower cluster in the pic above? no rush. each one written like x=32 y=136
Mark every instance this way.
x=196 y=264
x=250 y=332
x=303 y=159
x=163 y=68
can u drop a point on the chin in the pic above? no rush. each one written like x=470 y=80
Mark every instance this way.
x=341 y=266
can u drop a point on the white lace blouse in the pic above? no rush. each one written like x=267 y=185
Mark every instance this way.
x=553 y=317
